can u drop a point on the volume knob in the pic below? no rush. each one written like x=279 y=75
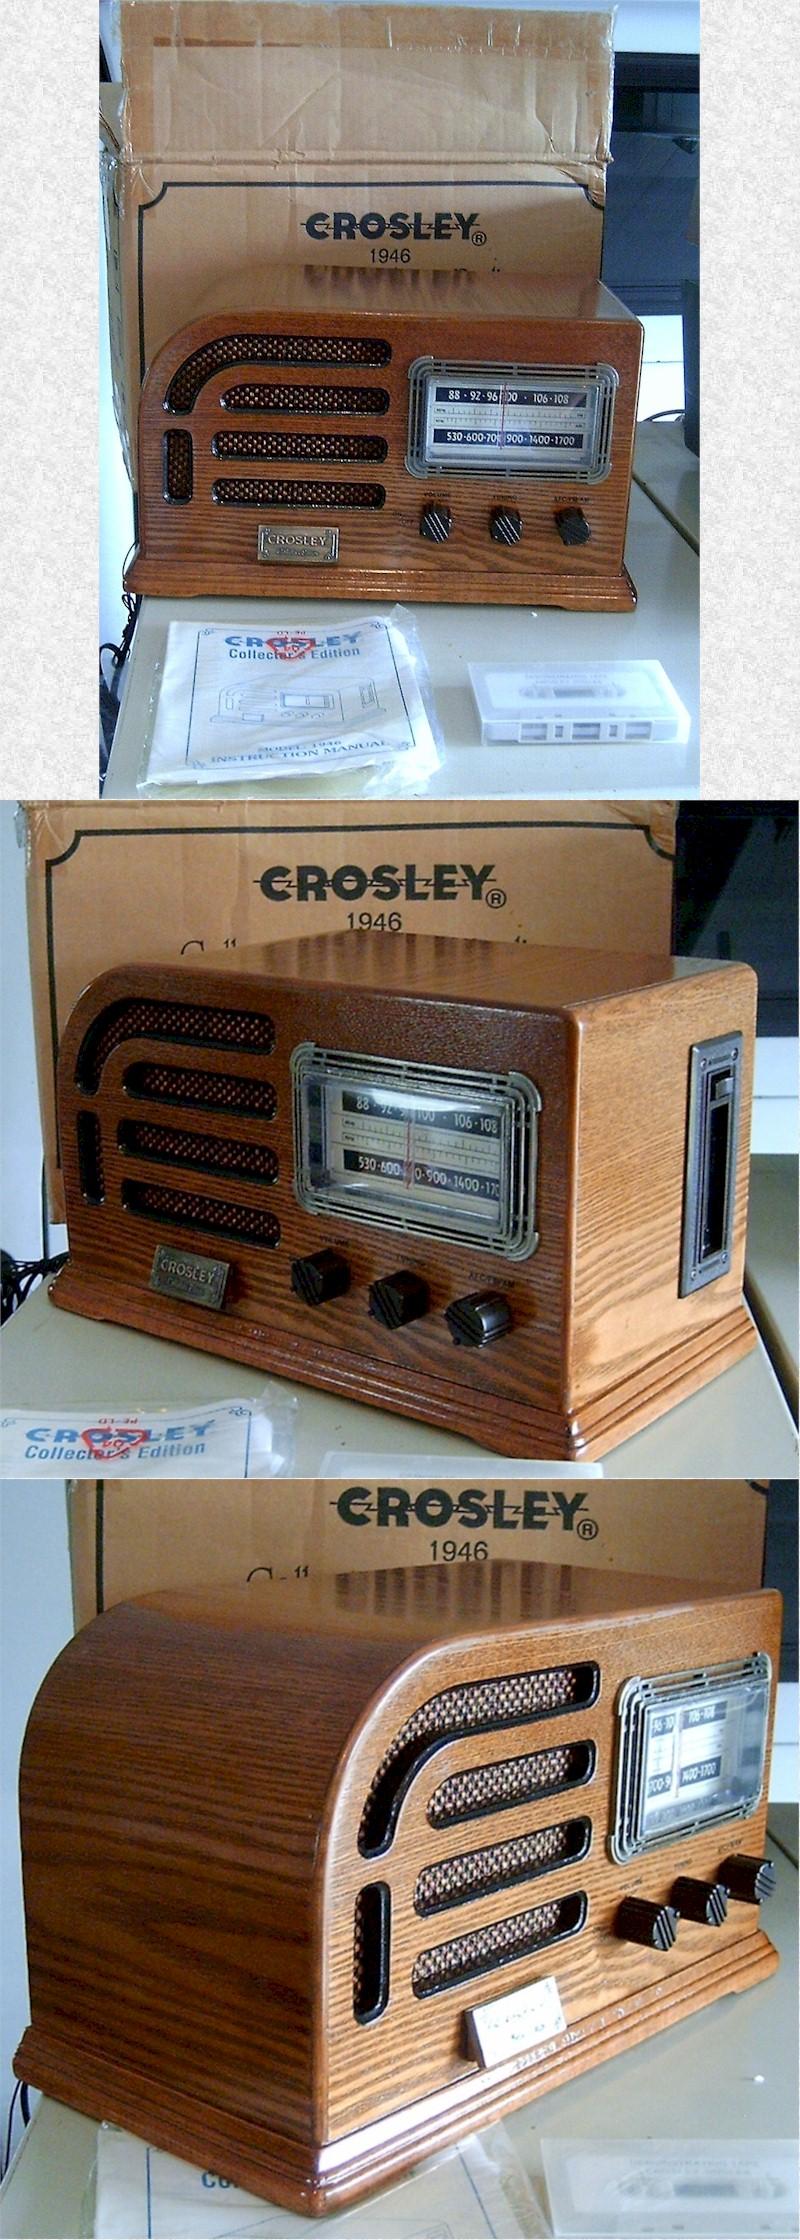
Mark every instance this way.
x=435 y=523
x=641 y=1922
x=321 y=1276
x=748 y=1879
x=505 y=525
x=572 y=525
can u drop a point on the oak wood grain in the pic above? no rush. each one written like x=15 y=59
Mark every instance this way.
x=192 y=1787
x=202 y=546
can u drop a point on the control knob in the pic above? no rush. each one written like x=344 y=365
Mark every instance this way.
x=746 y=1878
x=572 y=525
x=700 y=1901
x=478 y=1319
x=639 y=1921
x=435 y=523
x=505 y=525
x=400 y=1298
x=323 y=1275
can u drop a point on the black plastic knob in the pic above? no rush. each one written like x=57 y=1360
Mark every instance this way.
x=572 y=525
x=505 y=525
x=639 y=1921
x=700 y=1901
x=435 y=523
x=400 y=1298
x=748 y=1879
x=478 y=1319
x=323 y=1275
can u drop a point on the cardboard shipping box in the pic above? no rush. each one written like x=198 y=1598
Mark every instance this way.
x=150 y=883
x=128 y=1539
x=249 y=135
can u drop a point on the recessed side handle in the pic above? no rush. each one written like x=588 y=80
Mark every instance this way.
x=712 y=1135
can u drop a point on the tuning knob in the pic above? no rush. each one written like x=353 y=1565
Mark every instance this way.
x=641 y=1922
x=572 y=525
x=435 y=523
x=400 y=1298
x=749 y=1879
x=479 y=1318
x=700 y=1901
x=323 y=1275
x=505 y=525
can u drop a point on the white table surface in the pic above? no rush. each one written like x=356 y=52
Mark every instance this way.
x=663 y=627
x=737 y=1427
x=726 y=2074
x=670 y=474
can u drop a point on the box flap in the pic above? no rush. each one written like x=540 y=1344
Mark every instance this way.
x=227 y=81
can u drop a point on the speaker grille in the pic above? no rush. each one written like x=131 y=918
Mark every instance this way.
x=371 y=1944
x=255 y=1162
x=495 y=1946
x=206 y=1024
x=297 y=443
x=475 y=1874
x=90 y=1158
x=183 y=1210
x=510 y=1782
x=178 y=465
x=216 y=1092
x=322 y=398
x=269 y=350
x=475 y=1707
x=255 y=490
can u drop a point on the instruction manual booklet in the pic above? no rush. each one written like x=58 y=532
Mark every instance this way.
x=239 y=701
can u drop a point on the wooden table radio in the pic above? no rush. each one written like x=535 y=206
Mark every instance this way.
x=498 y=1188
x=320 y=1877
x=394 y=435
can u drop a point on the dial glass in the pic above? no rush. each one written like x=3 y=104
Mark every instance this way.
x=420 y=1148
x=520 y=420
x=691 y=1751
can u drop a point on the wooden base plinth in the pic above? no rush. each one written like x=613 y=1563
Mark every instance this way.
x=541 y=588
x=313 y=2178
x=529 y=1430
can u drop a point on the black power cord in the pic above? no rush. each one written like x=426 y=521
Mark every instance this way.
x=21 y=2092
x=17 y=1279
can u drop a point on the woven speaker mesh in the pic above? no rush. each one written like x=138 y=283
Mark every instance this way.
x=475 y=1874
x=178 y=466
x=493 y=1947
x=162 y=1021
x=509 y=1782
x=184 y=1210
x=269 y=350
x=475 y=1705
x=255 y=490
x=297 y=443
x=216 y=1154
x=217 y=1092
x=319 y=397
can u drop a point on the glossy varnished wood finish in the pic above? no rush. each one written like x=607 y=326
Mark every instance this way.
x=601 y=1341
x=192 y=1785
x=204 y=548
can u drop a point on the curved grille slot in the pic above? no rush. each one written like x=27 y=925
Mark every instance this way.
x=321 y=398
x=246 y=490
x=269 y=350
x=297 y=443
x=476 y=1874
x=142 y=1139
x=477 y=1707
x=178 y=465
x=161 y=1021
x=90 y=1158
x=215 y=1092
x=183 y=1210
x=371 y=1949
x=445 y=1965
x=510 y=1782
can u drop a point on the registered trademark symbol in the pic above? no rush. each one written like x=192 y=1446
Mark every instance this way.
x=496 y=898
x=479 y=240
x=587 y=1529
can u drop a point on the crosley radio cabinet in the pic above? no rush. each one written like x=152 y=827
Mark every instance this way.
x=382 y=435
x=320 y=1877
x=497 y=1188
